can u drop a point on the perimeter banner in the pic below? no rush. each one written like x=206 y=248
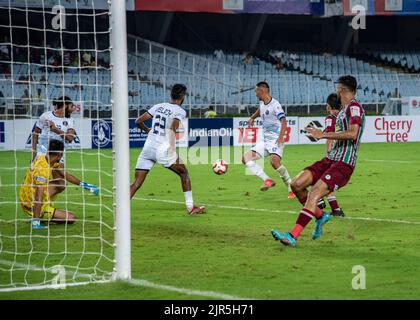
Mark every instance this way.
x=229 y=6
x=215 y=133
x=383 y=7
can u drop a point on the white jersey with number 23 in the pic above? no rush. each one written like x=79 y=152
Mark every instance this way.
x=157 y=147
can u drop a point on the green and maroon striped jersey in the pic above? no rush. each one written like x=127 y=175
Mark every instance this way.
x=346 y=150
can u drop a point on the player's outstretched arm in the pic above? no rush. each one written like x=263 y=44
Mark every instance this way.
x=87 y=186
x=76 y=181
x=350 y=134
x=141 y=120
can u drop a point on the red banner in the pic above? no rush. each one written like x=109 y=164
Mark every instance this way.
x=181 y=5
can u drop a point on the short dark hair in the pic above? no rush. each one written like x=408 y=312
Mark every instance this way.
x=332 y=100
x=178 y=91
x=55 y=147
x=263 y=84
x=349 y=82
x=61 y=101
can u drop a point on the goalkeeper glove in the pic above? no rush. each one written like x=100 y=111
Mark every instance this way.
x=91 y=187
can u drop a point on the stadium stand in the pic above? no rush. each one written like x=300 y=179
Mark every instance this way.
x=303 y=78
x=407 y=59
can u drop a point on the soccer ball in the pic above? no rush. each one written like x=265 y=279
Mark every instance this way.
x=220 y=167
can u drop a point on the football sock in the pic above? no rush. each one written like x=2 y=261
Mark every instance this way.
x=284 y=175
x=333 y=203
x=321 y=203
x=318 y=212
x=305 y=216
x=257 y=170
x=189 y=200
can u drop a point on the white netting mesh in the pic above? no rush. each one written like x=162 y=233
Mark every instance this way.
x=50 y=49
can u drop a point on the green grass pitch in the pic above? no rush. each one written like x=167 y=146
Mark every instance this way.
x=229 y=249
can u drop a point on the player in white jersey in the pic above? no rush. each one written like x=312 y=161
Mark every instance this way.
x=161 y=142
x=274 y=129
x=58 y=125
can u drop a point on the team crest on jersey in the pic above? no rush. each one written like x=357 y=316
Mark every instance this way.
x=65 y=123
x=337 y=127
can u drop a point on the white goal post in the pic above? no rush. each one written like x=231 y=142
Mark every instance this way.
x=121 y=149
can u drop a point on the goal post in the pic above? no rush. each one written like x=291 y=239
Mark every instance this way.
x=121 y=138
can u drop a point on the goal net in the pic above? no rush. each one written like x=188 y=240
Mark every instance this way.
x=52 y=52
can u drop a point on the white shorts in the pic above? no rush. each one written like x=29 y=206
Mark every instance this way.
x=155 y=153
x=264 y=149
x=41 y=150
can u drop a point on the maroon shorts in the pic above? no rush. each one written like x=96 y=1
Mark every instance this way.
x=335 y=174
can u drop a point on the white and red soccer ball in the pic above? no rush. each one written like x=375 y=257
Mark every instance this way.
x=220 y=167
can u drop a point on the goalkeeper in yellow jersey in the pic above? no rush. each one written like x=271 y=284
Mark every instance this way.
x=39 y=188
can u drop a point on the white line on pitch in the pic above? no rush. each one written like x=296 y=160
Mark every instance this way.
x=50 y=286
x=136 y=282
x=209 y=294
x=279 y=211
x=389 y=161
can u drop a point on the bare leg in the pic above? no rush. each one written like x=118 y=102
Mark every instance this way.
x=319 y=190
x=55 y=187
x=275 y=161
x=181 y=170
x=140 y=176
x=62 y=216
x=300 y=183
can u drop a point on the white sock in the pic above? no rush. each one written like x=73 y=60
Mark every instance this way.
x=284 y=175
x=257 y=170
x=189 y=200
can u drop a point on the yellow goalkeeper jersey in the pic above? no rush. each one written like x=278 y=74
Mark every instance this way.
x=40 y=173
